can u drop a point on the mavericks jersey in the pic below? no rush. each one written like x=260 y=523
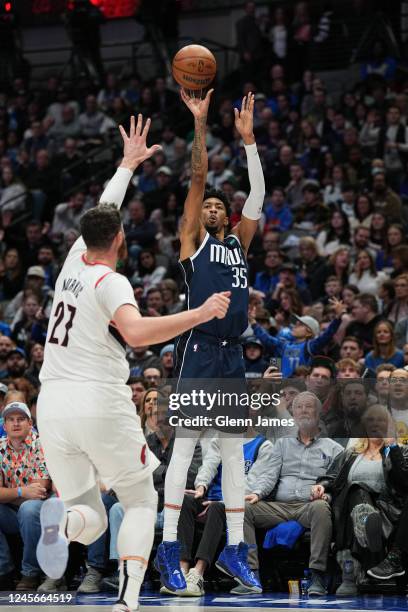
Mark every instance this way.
x=219 y=266
x=83 y=343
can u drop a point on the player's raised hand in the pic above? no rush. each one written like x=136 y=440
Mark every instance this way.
x=135 y=150
x=197 y=106
x=244 y=119
x=215 y=306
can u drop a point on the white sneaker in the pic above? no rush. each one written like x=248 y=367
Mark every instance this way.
x=52 y=547
x=51 y=585
x=123 y=607
x=195 y=584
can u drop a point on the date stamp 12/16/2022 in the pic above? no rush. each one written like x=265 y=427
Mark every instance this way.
x=28 y=598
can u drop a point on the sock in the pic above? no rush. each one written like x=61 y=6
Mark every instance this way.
x=233 y=486
x=131 y=575
x=175 y=483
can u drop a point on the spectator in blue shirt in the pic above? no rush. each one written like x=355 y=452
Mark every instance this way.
x=384 y=349
x=267 y=280
x=278 y=215
x=306 y=342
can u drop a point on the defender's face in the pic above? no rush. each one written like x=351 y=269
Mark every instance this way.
x=214 y=216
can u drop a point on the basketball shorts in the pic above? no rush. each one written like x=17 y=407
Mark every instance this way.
x=90 y=433
x=215 y=366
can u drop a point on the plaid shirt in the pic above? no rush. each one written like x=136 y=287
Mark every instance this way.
x=20 y=468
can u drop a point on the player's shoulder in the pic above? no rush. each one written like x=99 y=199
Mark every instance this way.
x=108 y=277
x=232 y=240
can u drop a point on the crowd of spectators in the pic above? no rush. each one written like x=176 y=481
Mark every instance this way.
x=328 y=275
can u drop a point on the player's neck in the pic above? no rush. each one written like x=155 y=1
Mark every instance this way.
x=97 y=257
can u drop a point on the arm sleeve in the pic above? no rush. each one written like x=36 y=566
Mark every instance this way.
x=317 y=344
x=269 y=341
x=114 y=291
x=253 y=206
x=115 y=190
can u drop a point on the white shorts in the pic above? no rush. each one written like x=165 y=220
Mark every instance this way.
x=90 y=432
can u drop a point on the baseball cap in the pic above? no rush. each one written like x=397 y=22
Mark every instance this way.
x=164 y=170
x=288 y=267
x=36 y=271
x=322 y=361
x=16 y=407
x=310 y=322
x=169 y=348
x=3 y=388
x=18 y=350
x=252 y=340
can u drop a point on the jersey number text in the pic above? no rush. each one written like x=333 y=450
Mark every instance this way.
x=60 y=315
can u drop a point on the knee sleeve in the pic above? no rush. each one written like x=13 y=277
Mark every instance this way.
x=87 y=519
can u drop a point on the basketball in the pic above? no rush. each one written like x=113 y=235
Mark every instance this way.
x=194 y=67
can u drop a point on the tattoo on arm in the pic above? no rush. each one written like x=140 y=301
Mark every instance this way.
x=199 y=148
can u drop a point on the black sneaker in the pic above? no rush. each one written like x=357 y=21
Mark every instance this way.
x=389 y=568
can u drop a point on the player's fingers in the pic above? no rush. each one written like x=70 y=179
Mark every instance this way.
x=132 y=127
x=243 y=104
x=146 y=127
x=251 y=103
x=209 y=94
x=154 y=149
x=226 y=293
x=139 y=124
x=248 y=100
x=236 y=113
x=123 y=133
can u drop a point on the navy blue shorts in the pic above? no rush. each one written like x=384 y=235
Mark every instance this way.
x=215 y=366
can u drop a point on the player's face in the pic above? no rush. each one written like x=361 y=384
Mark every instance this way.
x=214 y=216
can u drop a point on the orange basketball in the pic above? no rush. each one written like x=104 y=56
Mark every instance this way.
x=194 y=67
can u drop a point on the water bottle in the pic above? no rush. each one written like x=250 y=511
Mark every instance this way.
x=305 y=582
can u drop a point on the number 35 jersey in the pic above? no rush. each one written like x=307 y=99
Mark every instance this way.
x=83 y=343
x=219 y=266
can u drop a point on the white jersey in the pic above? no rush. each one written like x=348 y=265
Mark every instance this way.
x=83 y=343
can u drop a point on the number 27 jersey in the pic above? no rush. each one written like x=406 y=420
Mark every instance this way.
x=83 y=343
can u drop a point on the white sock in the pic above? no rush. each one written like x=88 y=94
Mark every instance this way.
x=233 y=486
x=175 y=483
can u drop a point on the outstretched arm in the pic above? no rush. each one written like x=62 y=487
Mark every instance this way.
x=251 y=213
x=192 y=231
x=135 y=151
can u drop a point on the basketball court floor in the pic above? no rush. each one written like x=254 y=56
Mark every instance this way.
x=219 y=602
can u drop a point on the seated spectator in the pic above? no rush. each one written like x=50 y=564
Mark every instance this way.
x=36 y=361
x=351 y=349
x=385 y=199
x=294 y=191
x=29 y=328
x=384 y=349
x=68 y=215
x=309 y=262
x=365 y=276
x=344 y=418
x=138 y=231
x=369 y=485
x=347 y=368
x=154 y=302
x=34 y=283
x=289 y=303
x=312 y=214
x=399 y=307
x=167 y=361
x=13 y=196
x=398 y=403
x=139 y=358
x=91 y=120
x=152 y=376
x=365 y=318
x=289 y=278
x=278 y=214
x=25 y=484
x=205 y=504
x=148 y=270
x=138 y=388
x=296 y=496
x=382 y=385
x=255 y=363
x=13 y=278
x=336 y=235
x=171 y=296
x=16 y=363
x=268 y=278
x=395 y=237
x=306 y=341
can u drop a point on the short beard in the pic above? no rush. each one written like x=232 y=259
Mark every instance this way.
x=213 y=231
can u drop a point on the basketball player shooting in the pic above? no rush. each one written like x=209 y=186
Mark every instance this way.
x=212 y=260
x=89 y=428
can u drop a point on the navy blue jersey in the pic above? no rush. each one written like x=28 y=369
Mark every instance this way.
x=219 y=266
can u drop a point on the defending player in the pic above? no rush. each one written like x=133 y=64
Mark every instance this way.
x=87 y=420
x=212 y=261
